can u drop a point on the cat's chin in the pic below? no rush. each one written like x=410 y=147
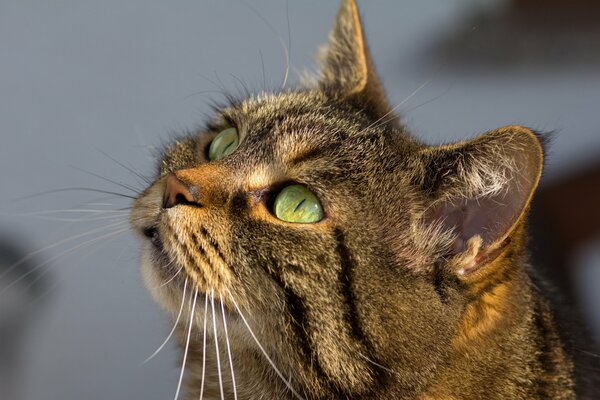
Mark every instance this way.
x=166 y=281
x=156 y=279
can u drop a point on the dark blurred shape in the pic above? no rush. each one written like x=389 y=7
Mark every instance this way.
x=541 y=34
x=20 y=286
x=565 y=218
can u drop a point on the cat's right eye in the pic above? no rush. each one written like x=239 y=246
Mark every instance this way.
x=225 y=143
x=296 y=203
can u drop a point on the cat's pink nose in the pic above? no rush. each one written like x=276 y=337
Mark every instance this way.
x=177 y=192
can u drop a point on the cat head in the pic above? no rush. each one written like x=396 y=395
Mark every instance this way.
x=349 y=247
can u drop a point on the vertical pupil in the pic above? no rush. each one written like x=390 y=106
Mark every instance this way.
x=299 y=204
x=226 y=147
x=296 y=203
x=223 y=144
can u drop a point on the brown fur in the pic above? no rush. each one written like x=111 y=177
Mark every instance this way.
x=413 y=286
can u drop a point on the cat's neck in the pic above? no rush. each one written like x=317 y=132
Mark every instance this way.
x=520 y=357
x=523 y=360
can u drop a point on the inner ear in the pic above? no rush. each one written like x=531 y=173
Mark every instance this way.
x=483 y=189
x=487 y=217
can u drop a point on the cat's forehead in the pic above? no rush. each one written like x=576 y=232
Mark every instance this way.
x=296 y=125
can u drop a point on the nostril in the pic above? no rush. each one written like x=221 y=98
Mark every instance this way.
x=181 y=199
x=177 y=192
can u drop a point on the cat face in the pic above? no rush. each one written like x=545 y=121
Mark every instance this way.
x=296 y=276
x=350 y=248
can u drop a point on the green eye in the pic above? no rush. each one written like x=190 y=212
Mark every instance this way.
x=295 y=203
x=223 y=144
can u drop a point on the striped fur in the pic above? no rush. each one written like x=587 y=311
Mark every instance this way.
x=413 y=286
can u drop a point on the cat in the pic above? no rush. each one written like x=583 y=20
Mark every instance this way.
x=309 y=247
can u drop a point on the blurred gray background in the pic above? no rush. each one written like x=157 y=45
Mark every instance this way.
x=84 y=83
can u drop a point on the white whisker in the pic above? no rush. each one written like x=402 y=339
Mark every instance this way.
x=214 y=317
x=204 y=345
x=390 y=112
x=162 y=284
x=56 y=283
x=287 y=383
x=376 y=364
x=173 y=277
x=284 y=46
x=67 y=211
x=61 y=242
x=49 y=260
x=110 y=237
x=83 y=219
x=174 y=325
x=288 y=48
x=187 y=345
x=55 y=215
x=229 y=351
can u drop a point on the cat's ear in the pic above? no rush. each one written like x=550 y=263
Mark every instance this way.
x=347 y=68
x=480 y=192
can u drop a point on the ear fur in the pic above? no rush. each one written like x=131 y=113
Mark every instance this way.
x=347 y=68
x=481 y=190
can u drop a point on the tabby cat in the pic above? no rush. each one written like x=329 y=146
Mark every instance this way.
x=309 y=247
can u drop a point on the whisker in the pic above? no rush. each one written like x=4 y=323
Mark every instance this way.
x=110 y=238
x=122 y=185
x=264 y=76
x=95 y=202
x=72 y=189
x=50 y=288
x=174 y=325
x=187 y=345
x=244 y=88
x=66 y=252
x=229 y=351
x=408 y=110
x=288 y=53
x=410 y=96
x=33 y=301
x=214 y=318
x=43 y=217
x=71 y=210
x=204 y=345
x=274 y=31
x=222 y=90
x=173 y=277
x=128 y=168
x=59 y=243
x=287 y=383
x=162 y=284
x=376 y=364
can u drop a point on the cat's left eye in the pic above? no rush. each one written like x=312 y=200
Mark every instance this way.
x=225 y=143
x=296 y=203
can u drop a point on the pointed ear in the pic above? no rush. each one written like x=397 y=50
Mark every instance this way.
x=347 y=68
x=481 y=190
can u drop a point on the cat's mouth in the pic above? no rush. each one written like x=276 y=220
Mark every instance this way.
x=152 y=234
x=158 y=249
